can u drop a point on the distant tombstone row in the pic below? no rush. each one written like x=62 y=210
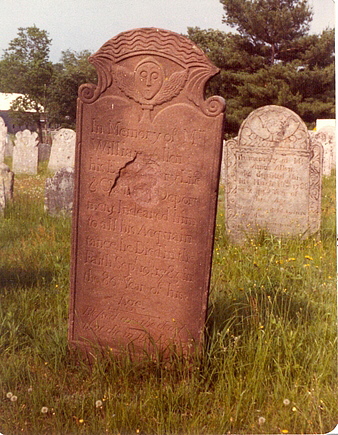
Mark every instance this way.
x=273 y=174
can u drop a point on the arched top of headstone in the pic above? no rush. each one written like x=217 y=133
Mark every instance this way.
x=175 y=64
x=274 y=127
x=26 y=138
x=64 y=135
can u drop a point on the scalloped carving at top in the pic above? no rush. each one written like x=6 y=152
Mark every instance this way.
x=197 y=68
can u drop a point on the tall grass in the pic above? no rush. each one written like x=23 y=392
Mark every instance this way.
x=269 y=364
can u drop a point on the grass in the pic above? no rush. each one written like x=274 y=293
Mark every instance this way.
x=269 y=365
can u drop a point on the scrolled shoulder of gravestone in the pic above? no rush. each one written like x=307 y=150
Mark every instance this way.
x=195 y=71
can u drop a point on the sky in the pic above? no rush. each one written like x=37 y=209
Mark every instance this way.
x=87 y=24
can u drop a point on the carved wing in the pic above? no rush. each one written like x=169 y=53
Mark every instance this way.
x=125 y=80
x=171 y=87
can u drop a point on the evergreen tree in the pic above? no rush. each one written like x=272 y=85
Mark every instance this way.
x=268 y=22
x=302 y=80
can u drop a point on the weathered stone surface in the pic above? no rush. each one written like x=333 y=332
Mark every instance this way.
x=147 y=169
x=273 y=176
x=9 y=147
x=3 y=139
x=44 y=150
x=59 y=192
x=63 y=150
x=6 y=186
x=326 y=136
x=25 y=153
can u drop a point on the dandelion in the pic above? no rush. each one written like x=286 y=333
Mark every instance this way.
x=284 y=431
x=98 y=403
x=308 y=257
x=14 y=398
x=9 y=395
x=81 y=420
x=261 y=420
x=44 y=410
x=286 y=402
x=294 y=409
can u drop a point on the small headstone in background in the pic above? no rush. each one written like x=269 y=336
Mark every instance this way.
x=59 y=192
x=273 y=176
x=62 y=153
x=3 y=139
x=6 y=186
x=25 y=153
x=44 y=150
x=326 y=136
x=9 y=147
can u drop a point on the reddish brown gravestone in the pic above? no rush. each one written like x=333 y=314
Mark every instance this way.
x=147 y=168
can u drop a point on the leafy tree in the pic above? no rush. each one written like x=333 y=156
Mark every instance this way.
x=268 y=22
x=72 y=71
x=26 y=69
x=302 y=80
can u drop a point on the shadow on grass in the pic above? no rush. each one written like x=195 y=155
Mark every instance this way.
x=17 y=278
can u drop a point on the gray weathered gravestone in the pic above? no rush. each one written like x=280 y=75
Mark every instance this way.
x=326 y=136
x=63 y=150
x=6 y=186
x=59 y=192
x=273 y=176
x=147 y=169
x=3 y=139
x=44 y=150
x=25 y=153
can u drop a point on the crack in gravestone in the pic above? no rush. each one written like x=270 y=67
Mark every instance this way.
x=118 y=176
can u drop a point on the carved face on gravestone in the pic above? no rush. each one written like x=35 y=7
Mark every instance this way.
x=149 y=77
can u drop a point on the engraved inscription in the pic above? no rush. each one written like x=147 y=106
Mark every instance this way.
x=269 y=172
x=147 y=165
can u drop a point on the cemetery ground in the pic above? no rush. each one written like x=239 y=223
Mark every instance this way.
x=269 y=364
